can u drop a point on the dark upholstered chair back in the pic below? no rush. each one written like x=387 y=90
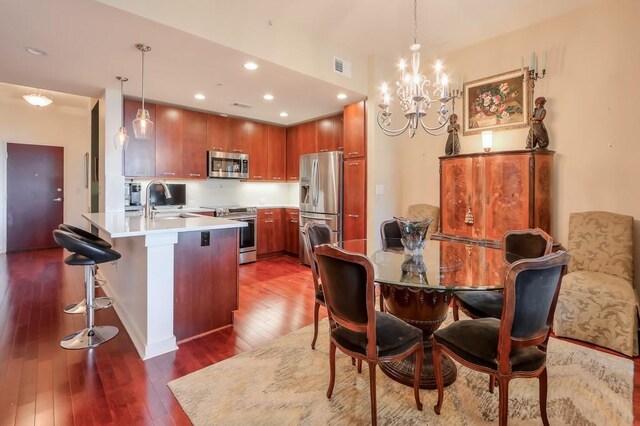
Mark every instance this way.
x=390 y=235
x=530 y=296
x=313 y=235
x=347 y=281
x=84 y=235
x=526 y=243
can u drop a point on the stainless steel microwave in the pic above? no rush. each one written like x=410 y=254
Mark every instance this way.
x=227 y=165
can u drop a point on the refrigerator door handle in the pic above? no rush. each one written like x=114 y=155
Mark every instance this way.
x=315 y=182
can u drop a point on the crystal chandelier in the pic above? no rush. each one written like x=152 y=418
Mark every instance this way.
x=142 y=125
x=413 y=94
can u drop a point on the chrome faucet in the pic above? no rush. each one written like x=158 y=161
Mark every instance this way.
x=148 y=209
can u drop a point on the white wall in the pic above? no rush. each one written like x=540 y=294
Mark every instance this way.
x=592 y=90
x=55 y=125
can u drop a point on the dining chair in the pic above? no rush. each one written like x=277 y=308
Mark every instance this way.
x=390 y=235
x=313 y=235
x=514 y=346
x=360 y=331
x=519 y=244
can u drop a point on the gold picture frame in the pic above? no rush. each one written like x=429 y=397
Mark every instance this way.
x=500 y=102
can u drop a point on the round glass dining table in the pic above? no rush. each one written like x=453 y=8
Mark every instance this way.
x=418 y=288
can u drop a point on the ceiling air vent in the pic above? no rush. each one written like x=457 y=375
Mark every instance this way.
x=342 y=67
x=239 y=105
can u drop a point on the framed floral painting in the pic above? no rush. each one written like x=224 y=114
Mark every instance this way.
x=496 y=103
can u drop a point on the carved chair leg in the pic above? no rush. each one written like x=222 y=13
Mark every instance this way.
x=503 y=404
x=542 y=379
x=419 y=355
x=372 y=391
x=316 y=314
x=454 y=306
x=437 y=371
x=332 y=368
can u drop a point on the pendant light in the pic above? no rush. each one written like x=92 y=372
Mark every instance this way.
x=121 y=139
x=142 y=125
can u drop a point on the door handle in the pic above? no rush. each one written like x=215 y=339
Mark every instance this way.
x=353 y=215
x=57 y=199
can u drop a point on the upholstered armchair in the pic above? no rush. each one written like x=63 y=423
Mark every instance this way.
x=421 y=212
x=597 y=302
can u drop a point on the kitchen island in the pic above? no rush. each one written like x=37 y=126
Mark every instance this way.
x=177 y=278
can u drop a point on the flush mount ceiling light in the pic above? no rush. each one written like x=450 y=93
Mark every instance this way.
x=199 y=96
x=38 y=99
x=251 y=66
x=142 y=125
x=341 y=96
x=121 y=139
x=268 y=97
x=413 y=94
x=35 y=51
x=284 y=114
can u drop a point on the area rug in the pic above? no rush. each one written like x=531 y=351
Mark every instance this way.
x=284 y=383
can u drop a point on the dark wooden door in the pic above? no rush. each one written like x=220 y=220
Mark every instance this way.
x=355 y=194
x=355 y=140
x=35 y=197
x=168 y=141
x=194 y=144
x=276 y=153
x=140 y=155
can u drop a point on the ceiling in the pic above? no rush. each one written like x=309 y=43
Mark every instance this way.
x=89 y=43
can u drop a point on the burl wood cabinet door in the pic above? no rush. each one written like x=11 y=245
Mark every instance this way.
x=140 y=155
x=355 y=193
x=457 y=195
x=507 y=194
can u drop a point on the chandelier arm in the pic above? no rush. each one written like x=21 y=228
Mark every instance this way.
x=433 y=130
x=387 y=131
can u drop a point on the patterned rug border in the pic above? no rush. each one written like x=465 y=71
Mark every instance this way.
x=260 y=391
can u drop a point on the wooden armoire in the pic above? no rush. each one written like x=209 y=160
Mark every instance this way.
x=483 y=195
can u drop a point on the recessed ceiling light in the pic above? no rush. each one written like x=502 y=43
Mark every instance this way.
x=35 y=51
x=38 y=99
x=199 y=96
x=342 y=96
x=284 y=114
x=251 y=66
x=268 y=97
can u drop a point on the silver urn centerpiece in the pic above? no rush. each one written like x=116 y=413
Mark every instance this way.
x=413 y=234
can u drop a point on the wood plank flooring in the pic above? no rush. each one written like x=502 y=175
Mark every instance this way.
x=42 y=384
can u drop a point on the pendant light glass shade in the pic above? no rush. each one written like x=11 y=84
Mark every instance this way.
x=142 y=125
x=121 y=139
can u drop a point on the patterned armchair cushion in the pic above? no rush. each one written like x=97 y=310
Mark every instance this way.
x=598 y=308
x=601 y=242
x=423 y=211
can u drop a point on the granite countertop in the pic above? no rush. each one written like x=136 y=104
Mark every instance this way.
x=119 y=224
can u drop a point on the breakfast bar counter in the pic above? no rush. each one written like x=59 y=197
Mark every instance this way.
x=177 y=278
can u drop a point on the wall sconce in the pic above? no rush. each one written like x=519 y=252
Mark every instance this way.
x=487 y=140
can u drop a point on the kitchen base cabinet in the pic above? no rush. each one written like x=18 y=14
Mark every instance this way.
x=270 y=232
x=292 y=233
x=205 y=282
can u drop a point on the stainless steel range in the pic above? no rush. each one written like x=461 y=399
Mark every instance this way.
x=248 y=235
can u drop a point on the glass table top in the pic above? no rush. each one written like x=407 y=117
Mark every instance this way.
x=443 y=265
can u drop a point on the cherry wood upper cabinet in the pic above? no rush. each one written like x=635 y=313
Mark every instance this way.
x=240 y=133
x=325 y=135
x=338 y=129
x=217 y=133
x=168 y=141
x=307 y=137
x=140 y=155
x=293 y=154
x=258 y=150
x=276 y=153
x=355 y=196
x=194 y=144
x=355 y=138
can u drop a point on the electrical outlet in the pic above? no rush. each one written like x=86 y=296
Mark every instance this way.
x=205 y=238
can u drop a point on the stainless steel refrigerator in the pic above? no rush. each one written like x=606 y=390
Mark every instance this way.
x=321 y=193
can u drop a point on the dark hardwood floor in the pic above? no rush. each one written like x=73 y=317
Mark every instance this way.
x=42 y=384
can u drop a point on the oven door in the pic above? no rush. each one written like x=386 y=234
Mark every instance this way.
x=247 y=235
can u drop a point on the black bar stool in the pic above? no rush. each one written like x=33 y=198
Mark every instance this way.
x=88 y=255
x=99 y=302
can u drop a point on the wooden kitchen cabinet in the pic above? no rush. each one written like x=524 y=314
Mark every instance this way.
x=258 y=151
x=194 y=145
x=338 y=129
x=270 y=231
x=241 y=132
x=292 y=231
x=217 y=133
x=355 y=140
x=484 y=195
x=355 y=196
x=276 y=153
x=140 y=155
x=293 y=154
x=325 y=135
x=307 y=137
x=168 y=141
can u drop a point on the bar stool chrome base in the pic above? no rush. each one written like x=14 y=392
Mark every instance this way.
x=89 y=338
x=81 y=307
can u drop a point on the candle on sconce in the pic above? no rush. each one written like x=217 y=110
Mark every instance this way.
x=531 y=61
